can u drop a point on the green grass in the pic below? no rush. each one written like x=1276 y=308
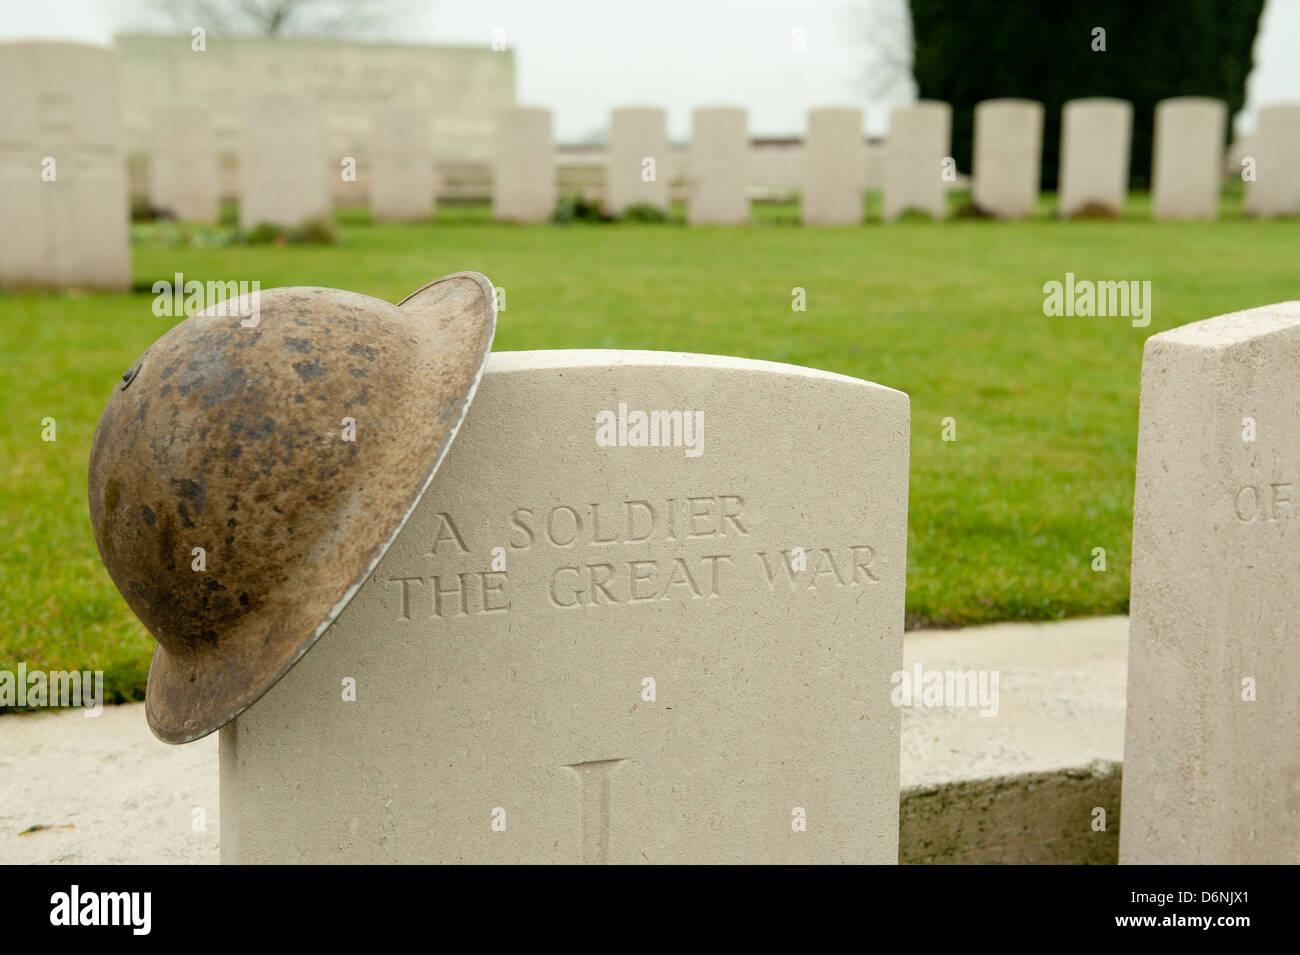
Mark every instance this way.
x=1002 y=521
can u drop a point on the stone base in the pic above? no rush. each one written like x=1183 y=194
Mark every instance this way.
x=1032 y=819
x=1020 y=787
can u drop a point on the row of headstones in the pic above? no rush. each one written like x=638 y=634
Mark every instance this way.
x=64 y=198
x=285 y=137
x=918 y=169
x=662 y=641
x=283 y=170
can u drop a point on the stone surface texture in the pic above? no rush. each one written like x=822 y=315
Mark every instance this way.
x=507 y=688
x=1211 y=776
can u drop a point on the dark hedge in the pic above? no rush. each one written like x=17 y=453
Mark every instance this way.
x=1043 y=50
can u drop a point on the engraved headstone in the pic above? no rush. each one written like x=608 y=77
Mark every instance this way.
x=1212 y=750
x=183 y=164
x=719 y=167
x=834 y=166
x=64 y=216
x=1187 y=157
x=647 y=611
x=1008 y=156
x=401 y=180
x=920 y=140
x=1275 y=149
x=1096 y=134
x=283 y=166
x=638 y=158
x=523 y=175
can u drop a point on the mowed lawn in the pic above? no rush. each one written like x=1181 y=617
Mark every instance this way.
x=1003 y=520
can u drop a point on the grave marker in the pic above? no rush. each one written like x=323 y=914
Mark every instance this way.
x=1095 y=139
x=920 y=139
x=401 y=182
x=585 y=648
x=719 y=168
x=283 y=167
x=1212 y=755
x=523 y=177
x=1008 y=156
x=834 y=165
x=63 y=198
x=638 y=135
x=1187 y=158
x=183 y=165
x=1275 y=147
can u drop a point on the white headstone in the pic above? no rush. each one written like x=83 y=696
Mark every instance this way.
x=576 y=652
x=719 y=167
x=183 y=164
x=64 y=214
x=523 y=177
x=1187 y=157
x=1212 y=755
x=1008 y=156
x=1275 y=150
x=401 y=180
x=283 y=166
x=1096 y=137
x=638 y=158
x=834 y=167
x=918 y=146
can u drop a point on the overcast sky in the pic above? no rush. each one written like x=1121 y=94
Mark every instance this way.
x=580 y=57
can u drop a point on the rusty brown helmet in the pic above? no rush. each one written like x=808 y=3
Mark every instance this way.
x=290 y=442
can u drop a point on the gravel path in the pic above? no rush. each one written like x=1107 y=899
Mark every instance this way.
x=106 y=788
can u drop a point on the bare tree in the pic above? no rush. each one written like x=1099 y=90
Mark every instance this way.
x=886 y=26
x=322 y=18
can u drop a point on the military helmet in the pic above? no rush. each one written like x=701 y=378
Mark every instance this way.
x=252 y=467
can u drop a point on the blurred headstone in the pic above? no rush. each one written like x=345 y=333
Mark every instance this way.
x=64 y=213
x=1008 y=157
x=1187 y=158
x=283 y=167
x=401 y=176
x=638 y=159
x=719 y=167
x=1275 y=151
x=834 y=167
x=1096 y=135
x=183 y=164
x=918 y=146
x=523 y=175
